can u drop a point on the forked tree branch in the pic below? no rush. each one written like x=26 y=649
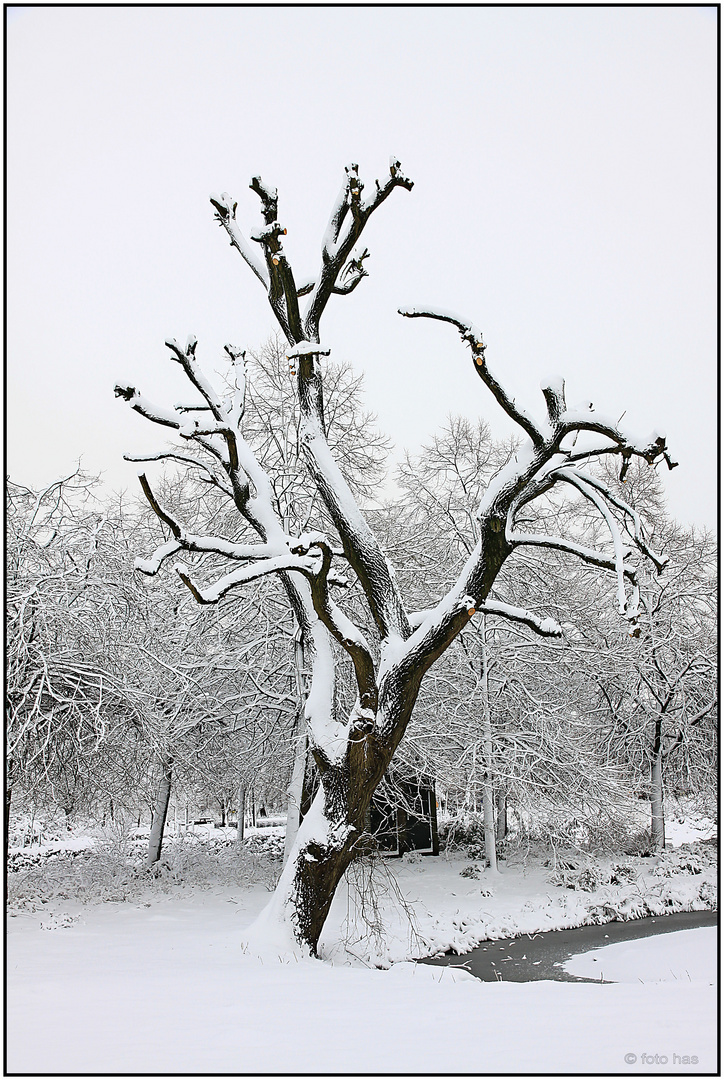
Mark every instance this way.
x=341 y=270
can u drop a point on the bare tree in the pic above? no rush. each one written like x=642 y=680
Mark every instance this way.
x=392 y=654
x=663 y=697
x=68 y=710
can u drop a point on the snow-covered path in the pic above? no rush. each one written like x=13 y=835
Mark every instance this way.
x=166 y=988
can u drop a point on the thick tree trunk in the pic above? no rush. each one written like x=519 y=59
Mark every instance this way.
x=330 y=836
x=155 y=840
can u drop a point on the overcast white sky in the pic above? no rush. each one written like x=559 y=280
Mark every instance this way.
x=564 y=162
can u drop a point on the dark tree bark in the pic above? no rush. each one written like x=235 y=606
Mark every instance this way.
x=241 y=813
x=502 y=819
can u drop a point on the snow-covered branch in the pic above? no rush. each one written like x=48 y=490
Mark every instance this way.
x=146 y=408
x=545 y=627
x=349 y=217
x=659 y=561
x=252 y=571
x=570 y=547
x=342 y=629
x=184 y=540
x=360 y=545
x=225 y=208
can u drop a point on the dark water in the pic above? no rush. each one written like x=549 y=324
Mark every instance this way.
x=540 y=956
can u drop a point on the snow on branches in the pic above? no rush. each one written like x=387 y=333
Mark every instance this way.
x=353 y=752
x=548 y=458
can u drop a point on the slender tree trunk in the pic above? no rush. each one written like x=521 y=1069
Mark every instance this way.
x=488 y=815
x=658 y=838
x=8 y=799
x=155 y=840
x=240 y=814
x=502 y=822
x=8 y=794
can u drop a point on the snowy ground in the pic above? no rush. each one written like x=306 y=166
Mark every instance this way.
x=160 y=983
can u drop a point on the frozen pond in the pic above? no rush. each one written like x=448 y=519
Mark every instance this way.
x=549 y=955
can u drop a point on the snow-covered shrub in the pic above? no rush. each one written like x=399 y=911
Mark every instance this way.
x=591 y=876
x=108 y=873
x=412 y=858
x=465 y=830
x=471 y=871
x=708 y=894
x=639 y=845
x=101 y=874
x=203 y=866
x=269 y=843
x=622 y=874
x=587 y=878
x=687 y=859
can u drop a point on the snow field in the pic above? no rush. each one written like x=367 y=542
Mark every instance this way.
x=169 y=990
x=686 y=956
x=163 y=985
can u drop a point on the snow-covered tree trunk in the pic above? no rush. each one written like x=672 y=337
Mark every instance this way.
x=658 y=831
x=501 y=828
x=351 y=752
x=658 y=837
x=241 y=812
x=296 y=788
x=155 y=839
x=488 y=815
x=9 y=776
x=299 y=739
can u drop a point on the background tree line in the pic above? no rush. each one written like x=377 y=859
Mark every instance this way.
x=122 y=690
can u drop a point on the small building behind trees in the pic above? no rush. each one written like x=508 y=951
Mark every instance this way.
x=403 y=815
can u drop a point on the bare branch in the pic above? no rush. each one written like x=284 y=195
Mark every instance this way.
x=470 y=334
x=183 y=459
